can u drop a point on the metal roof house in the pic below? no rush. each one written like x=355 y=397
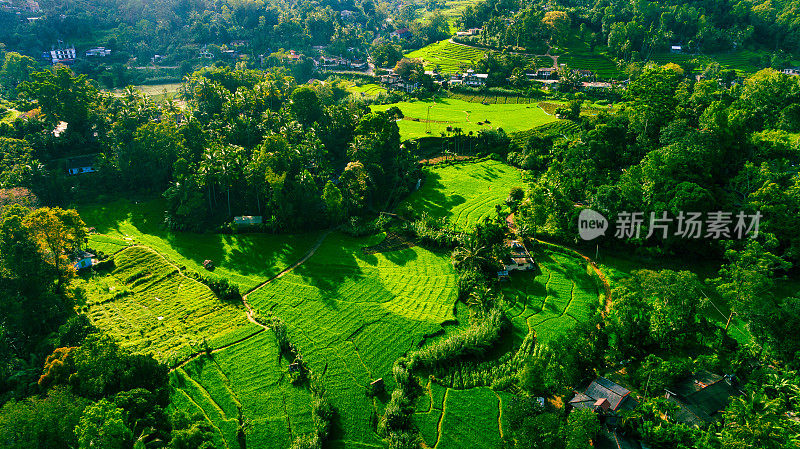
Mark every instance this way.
x=616 y=396
x=82 y=259
x=701 y=398
x=81 y=164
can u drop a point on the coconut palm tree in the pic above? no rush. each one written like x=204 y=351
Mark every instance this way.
x=471 y=255
x=755 y=420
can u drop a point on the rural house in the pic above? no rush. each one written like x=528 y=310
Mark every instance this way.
x=474 y=79
x=81 y=164
x=519 y=258
x=82 y=259
x=61 y=55
x=794 y=71
x=603 y=394
x=701 y=398
x=402 y=33
x=676 y=49
x=98 y=51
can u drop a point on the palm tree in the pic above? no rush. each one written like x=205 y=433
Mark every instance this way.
x=755 y=420
x=471 y=255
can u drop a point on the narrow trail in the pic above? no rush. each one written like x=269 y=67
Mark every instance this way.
x=249 y=309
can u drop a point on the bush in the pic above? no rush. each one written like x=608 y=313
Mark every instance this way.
x=224 y=290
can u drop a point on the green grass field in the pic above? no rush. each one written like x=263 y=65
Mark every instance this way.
x=244 y=259
x=455 y=419
x=465 y=193
x=448 y=56
x=150 y=307
x=353 y=314
x=446 y=112
x=553 y=301
x=365 y=90
x=154 y=90
x=245 y=381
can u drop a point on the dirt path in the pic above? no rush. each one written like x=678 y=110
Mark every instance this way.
x=249 y=308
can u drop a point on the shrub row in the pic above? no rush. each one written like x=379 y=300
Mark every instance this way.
x=224 y=290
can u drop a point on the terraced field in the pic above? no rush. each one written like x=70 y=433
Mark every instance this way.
x=448 y=56
x=561 y=128
x=601 y=65
x=466 y=115
x=553 y=301
x=244 y=386
x=465 y=193
x=244 y=259
x=492 y=99
x=366 y=90
x=455 y=419
x=224 y=367
x=353 y=314
x=150 y=307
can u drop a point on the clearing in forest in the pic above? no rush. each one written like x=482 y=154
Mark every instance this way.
x=438 y=114
x=243 y=259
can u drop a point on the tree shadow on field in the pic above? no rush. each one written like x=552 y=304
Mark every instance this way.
x=255 y=254
x=334 y=264
x=434 y=198
x=401 y=257
x=488 y=174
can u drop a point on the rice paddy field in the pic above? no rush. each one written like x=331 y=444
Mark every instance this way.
x=350 y=312
x=600 y=64
x=550 y=302
x=244 y=259
x=366 y=90
x=455 y=419
x=244 y=386
x=744 y=62
x=353 y=314
x=150 y=307
x=560 y=128
x=492 y=99
x=469 y=116
x=464 y=193
x=448 y=56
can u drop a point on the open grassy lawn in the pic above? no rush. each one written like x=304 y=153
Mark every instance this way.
x=245 y=381
x=448 y=56
x=551 y=300
x=353 y=314
x=466 y=115
x=465 y=193
x=150 y=307
x=244 y=259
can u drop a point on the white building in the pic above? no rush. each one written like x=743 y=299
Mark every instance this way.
x=98 y=51
x=62 y=55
